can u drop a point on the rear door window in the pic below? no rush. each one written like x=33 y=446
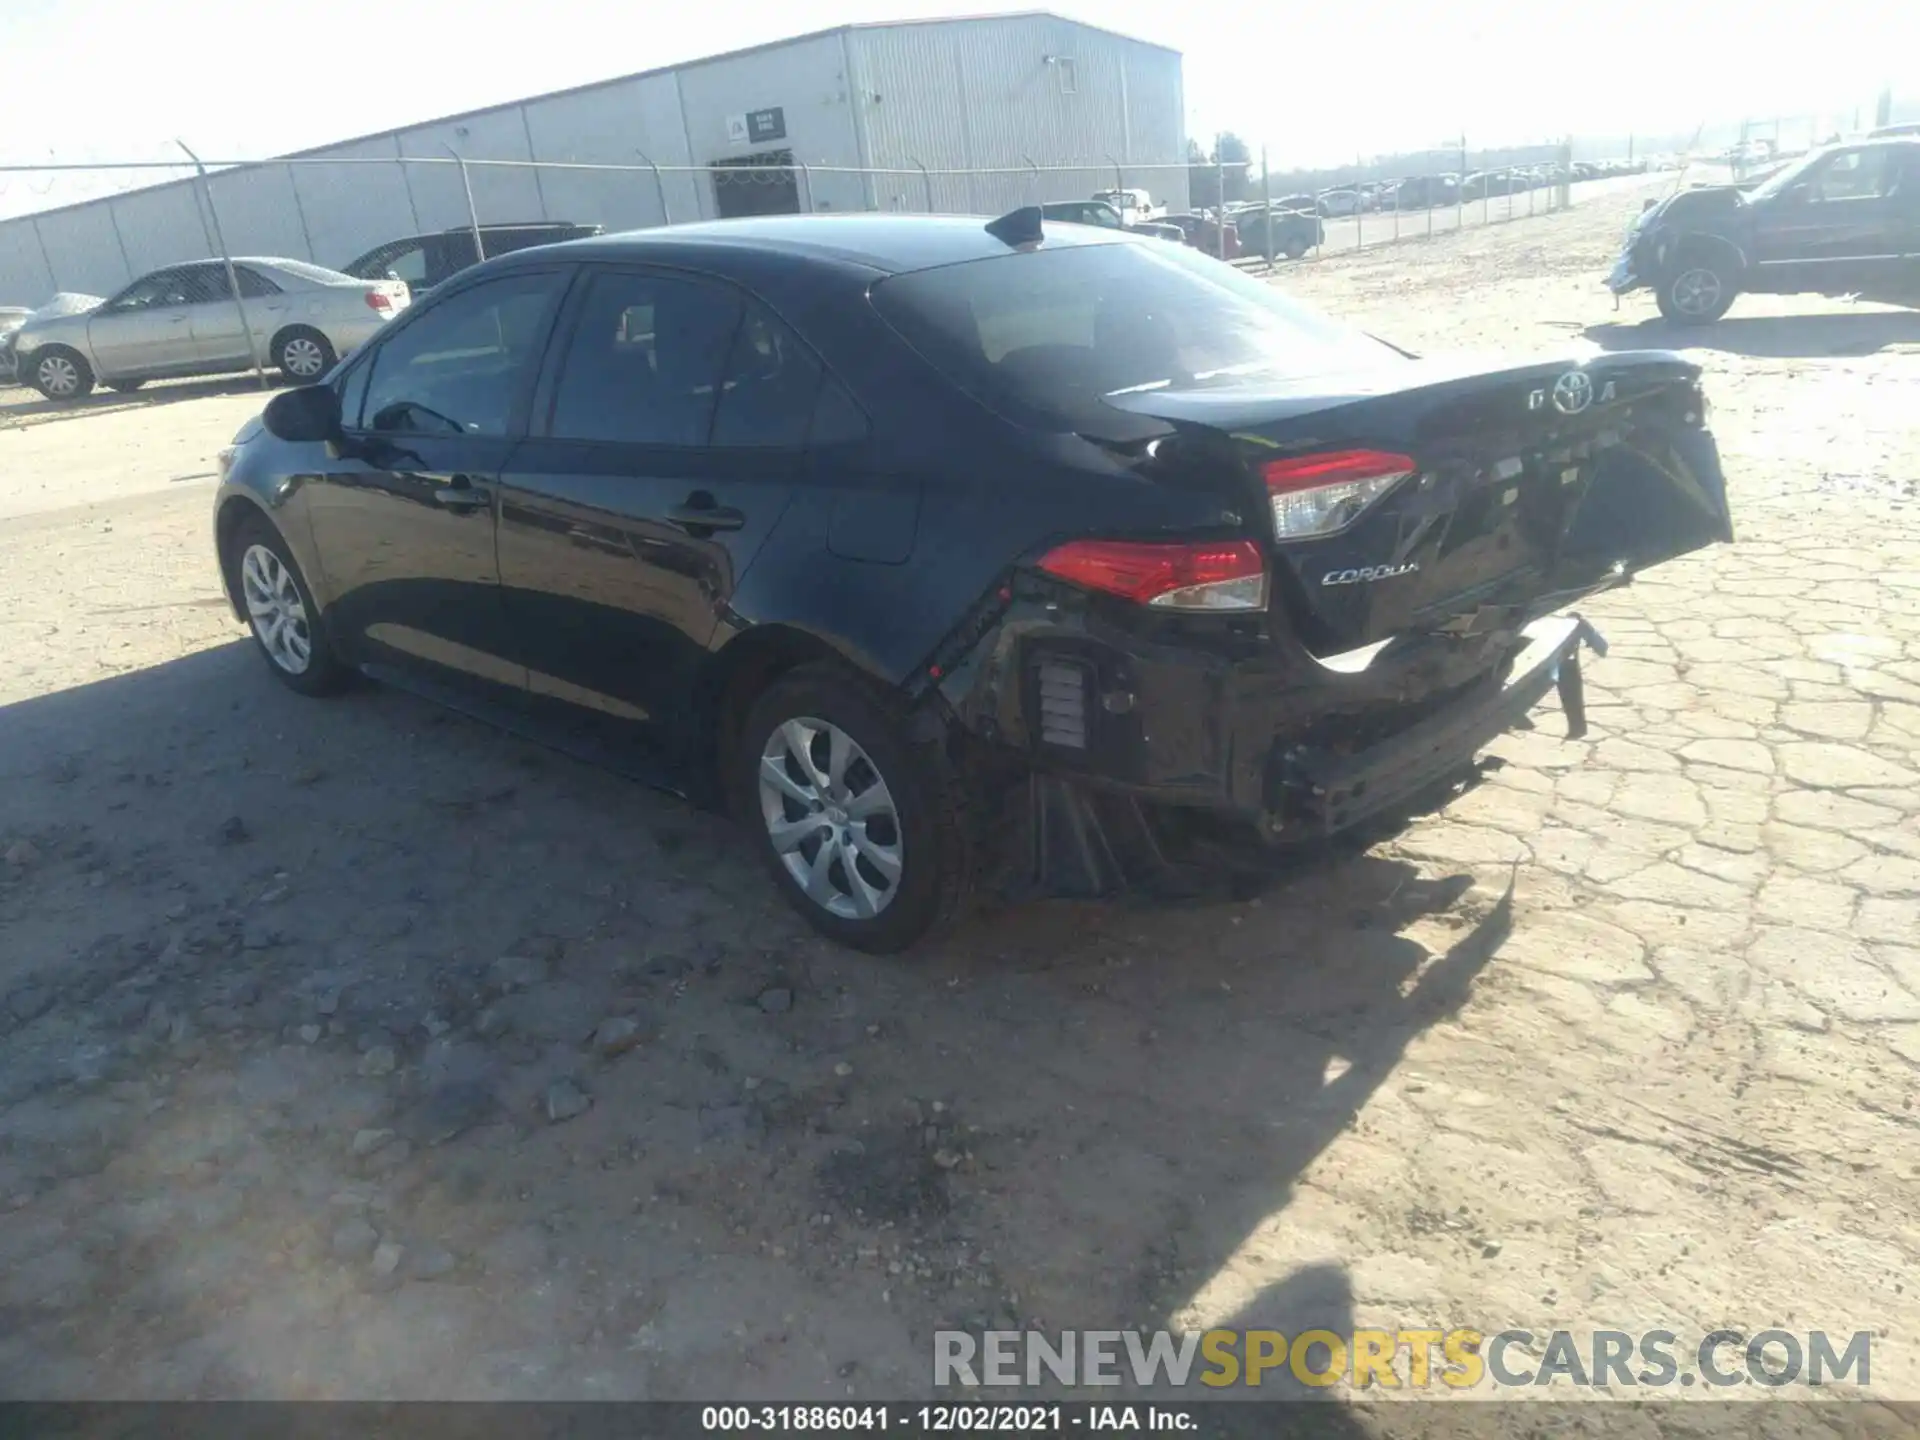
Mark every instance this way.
x=1854 y=175
x=462 y=366
x=205 y=284
x=771 y=385
x=408 y=264
x=1043 y=338
x=449 y=254
x=645 y=360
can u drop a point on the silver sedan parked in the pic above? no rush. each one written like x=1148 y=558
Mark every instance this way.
x=183 y=320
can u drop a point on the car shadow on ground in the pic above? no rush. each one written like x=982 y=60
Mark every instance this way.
x=22 y=405
x=235 y=897
x=1863 y=332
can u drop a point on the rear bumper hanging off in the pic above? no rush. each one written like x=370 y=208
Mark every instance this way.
x=1328 y=793
x=1084 y=838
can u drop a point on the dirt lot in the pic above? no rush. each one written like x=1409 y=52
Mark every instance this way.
x=291 y=992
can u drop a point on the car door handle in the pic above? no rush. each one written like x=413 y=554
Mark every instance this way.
x=462 y=496
x=693 y=518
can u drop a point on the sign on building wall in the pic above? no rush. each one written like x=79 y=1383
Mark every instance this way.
x=757 y=126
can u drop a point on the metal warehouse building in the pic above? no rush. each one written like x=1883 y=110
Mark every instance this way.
x=874 y=114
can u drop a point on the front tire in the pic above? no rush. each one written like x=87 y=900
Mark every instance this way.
x=1698 y=292
x=303 y=355
x=860 y=825
x=281 y=611
x=61 y=374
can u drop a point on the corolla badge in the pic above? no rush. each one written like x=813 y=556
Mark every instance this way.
x=1368 y=572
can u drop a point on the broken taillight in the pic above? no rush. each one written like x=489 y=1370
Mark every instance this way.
x=1319 y=494
x=1211 y=575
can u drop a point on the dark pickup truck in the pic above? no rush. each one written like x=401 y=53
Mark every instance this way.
x=1842 y=220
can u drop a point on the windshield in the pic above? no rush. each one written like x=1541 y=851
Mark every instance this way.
x=1044 y=337
x=1781 y=179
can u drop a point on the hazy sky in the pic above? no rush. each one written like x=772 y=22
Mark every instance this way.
x=1318 y=80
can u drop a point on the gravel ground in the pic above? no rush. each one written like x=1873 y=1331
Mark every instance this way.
x=352 y=1050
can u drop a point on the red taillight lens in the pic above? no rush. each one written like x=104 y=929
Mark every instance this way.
x=1319 y=494
x=379 y=300
x=1221 y=575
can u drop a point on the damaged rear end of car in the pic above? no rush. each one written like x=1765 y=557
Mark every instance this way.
x=1359 y=576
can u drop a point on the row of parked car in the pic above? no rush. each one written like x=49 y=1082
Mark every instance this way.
x=183 y=320
x=1243 y=230
x=1421 y=192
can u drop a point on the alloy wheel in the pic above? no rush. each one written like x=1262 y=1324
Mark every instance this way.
x=301 y=357
x=278 y=614
x=59 y=377
x=831 y=818
x=1696 y=292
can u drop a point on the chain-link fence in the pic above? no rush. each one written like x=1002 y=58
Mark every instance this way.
x=334 y=211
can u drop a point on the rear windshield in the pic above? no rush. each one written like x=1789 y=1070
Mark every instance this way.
x=1043 y=337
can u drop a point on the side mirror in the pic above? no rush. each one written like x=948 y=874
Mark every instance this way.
x=311 y=413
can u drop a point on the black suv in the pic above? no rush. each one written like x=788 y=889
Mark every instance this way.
x=1843 y=220
x=424 y=261
x=1294 y=223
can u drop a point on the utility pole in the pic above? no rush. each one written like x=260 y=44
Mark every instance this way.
x=226 y=259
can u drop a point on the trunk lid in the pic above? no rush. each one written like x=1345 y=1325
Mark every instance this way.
x=1528 y=485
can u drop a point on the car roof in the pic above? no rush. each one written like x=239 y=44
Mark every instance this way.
x=1867 y=142
x=506 y=225
x=893 y=244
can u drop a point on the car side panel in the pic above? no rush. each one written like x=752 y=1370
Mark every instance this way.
x=155 y=340
x=987 y=492
x=984 y=502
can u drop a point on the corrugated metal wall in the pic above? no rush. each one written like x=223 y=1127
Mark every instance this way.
x=948 y=94
x=1012 y=93
x=806 y=82
x=614 y=125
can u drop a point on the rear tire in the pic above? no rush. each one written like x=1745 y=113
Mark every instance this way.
x=282 y=614
x=60 y=374
x=873 y=856
x=1698 y=292
x=303 y=354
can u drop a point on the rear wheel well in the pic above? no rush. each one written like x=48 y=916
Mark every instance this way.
x=735 y=679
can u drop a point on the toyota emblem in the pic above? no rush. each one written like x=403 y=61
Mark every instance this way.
x=1572 y=392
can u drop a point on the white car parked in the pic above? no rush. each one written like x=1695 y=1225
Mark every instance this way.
x=1135 y=207
x=183 y=320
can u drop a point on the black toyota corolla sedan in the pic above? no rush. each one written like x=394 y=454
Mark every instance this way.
x=951 y=553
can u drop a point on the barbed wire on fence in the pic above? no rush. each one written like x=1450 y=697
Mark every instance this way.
x=335 y=220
